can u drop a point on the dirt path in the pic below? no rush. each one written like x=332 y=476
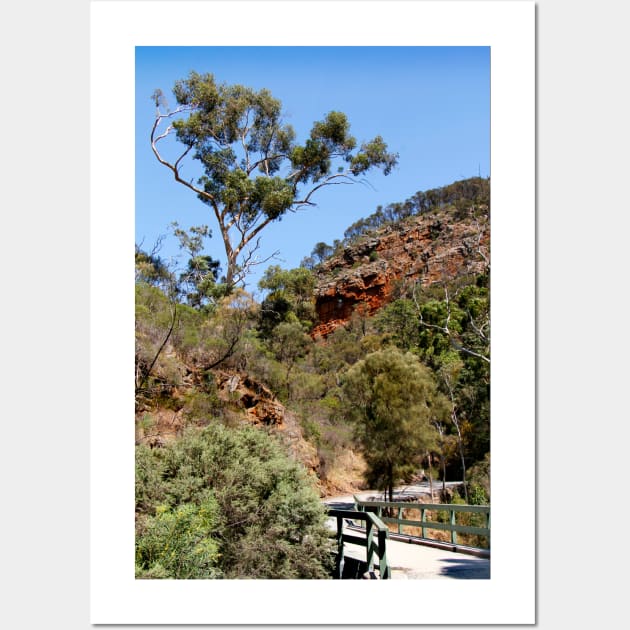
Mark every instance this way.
x=420 y=491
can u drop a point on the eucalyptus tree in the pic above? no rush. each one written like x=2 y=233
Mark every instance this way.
x=253 y=169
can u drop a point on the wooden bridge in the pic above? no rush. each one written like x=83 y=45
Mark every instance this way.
x=367 y=548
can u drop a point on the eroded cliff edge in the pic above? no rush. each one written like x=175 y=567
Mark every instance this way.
x=423 y=249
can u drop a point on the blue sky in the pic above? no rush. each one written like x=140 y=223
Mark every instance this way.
x=430 y=104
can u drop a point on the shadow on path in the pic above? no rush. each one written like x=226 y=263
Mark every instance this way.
x=467 y=569
x=340 y=505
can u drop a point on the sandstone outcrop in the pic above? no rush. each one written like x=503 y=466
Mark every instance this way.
x=369 y=274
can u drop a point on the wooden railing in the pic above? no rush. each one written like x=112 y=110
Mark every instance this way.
x=378 y=547
x=425 y=509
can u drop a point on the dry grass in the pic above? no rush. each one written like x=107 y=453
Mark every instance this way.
x=440 y=535
x=345 y=476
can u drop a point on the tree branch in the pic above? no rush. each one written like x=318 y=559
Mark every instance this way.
x=249 y=261
x=327 y=182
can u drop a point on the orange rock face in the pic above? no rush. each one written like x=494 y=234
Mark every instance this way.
x=370 y=274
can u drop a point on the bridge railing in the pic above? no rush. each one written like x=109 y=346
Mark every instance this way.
x=424 y=524
x=375 y=540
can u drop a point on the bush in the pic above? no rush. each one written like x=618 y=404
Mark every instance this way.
x=479 y=481
x=268 y=521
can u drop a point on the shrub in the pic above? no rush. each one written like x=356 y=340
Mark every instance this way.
x=268 y=521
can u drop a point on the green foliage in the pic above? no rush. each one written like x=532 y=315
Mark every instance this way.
x=289 y=343
x=178 y=543
x=289 y=298
x=393 y=401
x=321 y=251
x=151 y=269
x=232 y=504
x=202 y=405
x=156 y=318
x=399 y=321
x=477 y=495
x=373 y=153
x=198 y=283
x=479 y=481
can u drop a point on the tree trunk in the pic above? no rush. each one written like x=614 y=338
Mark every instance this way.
x=460 y=444
x=430 y=461
x=230 y=272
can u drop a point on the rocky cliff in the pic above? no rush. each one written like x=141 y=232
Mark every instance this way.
x=423 y=249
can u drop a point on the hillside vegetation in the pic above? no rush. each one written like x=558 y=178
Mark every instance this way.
x=246 y=414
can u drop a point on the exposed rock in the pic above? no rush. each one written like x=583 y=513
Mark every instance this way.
x=424 y=249
x=260 y=407
x=255 y=399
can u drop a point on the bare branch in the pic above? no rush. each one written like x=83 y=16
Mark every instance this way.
x=175 y=167
x=265 y=160
x=479 y=331
x=445 y=329
x=461 y=348
x=480 y=233
x=246 y=129
x=327 y=182
x=157 y=245
x=448 y=311
x=147 y=372
x=249 y=261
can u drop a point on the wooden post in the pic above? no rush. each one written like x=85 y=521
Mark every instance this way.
x=423 y=518
x=383 y=567
x=340 y=550
x=369 y=535
x=453 y=532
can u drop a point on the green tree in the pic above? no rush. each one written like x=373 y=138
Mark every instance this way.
x=253 y=169
x=321 y=251
x=399 y=321
x=199 y=281
x=289 y=298
x=151 y=269
x=394 y=403
x=289 y=343
x=454 y=339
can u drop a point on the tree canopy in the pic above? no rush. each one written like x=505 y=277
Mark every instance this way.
x=393 y=401
x=253 y=170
